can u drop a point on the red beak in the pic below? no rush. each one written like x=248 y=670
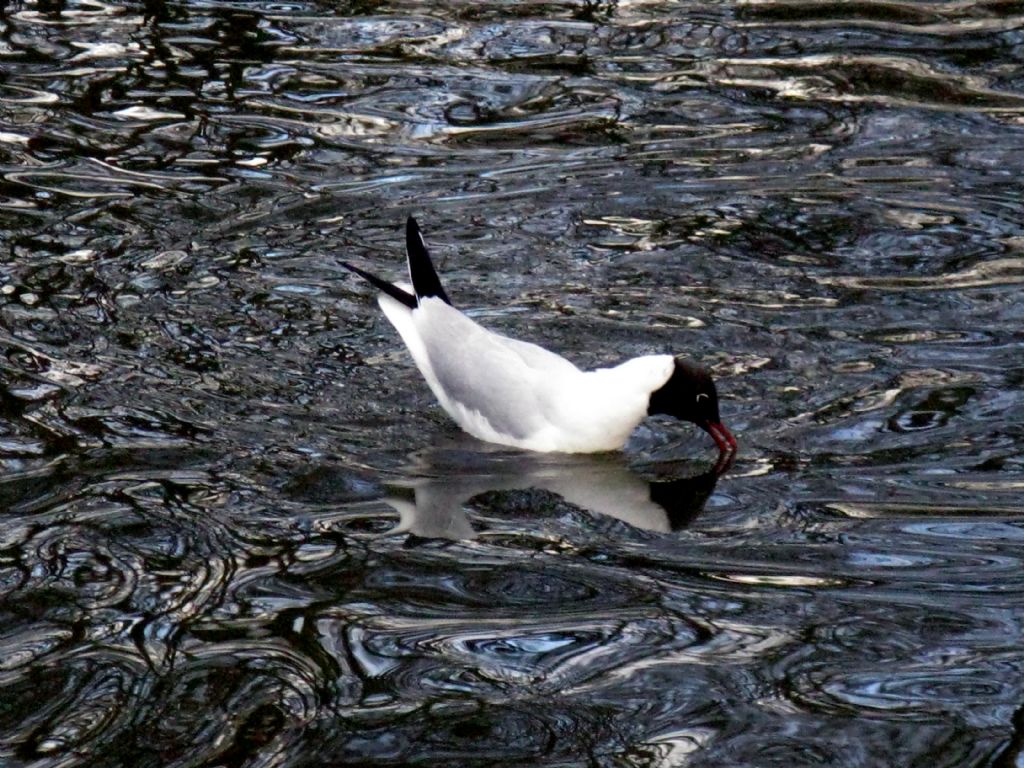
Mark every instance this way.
x=722 y=436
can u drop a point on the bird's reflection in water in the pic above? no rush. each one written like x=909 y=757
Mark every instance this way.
x=442 y=479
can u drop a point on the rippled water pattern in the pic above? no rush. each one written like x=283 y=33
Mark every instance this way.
x=237 y=531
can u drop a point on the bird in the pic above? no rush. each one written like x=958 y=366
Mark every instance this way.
x=518 y=394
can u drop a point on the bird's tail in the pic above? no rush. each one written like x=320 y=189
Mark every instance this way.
x=383 y=286
x=425 y=282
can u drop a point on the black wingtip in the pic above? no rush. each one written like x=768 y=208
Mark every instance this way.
x=425 y=281
x=384 y=286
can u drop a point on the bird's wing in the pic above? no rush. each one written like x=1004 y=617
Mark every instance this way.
x=537 y=358
x=513 y=385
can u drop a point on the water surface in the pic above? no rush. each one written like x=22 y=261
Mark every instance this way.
x=237 y=531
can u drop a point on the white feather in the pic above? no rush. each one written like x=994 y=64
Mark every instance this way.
x=514 y=393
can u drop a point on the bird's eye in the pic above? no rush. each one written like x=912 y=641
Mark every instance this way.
x=702 y=394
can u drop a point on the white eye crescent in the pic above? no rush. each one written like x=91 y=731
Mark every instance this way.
x=702 y=394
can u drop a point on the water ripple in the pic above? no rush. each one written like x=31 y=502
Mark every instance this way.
x=209 y=433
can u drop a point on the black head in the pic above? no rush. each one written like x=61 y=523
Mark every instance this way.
x=690 y=395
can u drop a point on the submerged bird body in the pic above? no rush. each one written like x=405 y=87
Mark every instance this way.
x=514 y=393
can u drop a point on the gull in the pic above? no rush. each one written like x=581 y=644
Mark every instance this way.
x=514 y=393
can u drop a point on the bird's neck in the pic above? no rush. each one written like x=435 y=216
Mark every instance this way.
x=641 y=374
x=604 y=406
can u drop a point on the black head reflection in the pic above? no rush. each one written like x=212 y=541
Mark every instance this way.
x=684 y=499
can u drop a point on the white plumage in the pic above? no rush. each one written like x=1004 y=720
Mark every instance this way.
x=518 y=394
x=515 y=393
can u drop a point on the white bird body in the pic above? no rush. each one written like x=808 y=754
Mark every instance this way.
x=514 y=393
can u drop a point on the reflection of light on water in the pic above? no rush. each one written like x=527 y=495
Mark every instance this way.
x=147 y=114
x=777 y=580
x=882 y=560
x=910 y=509
x=988 y=485
x=673 y=746
x=891 y=80
x=990 y=273
x=857 y=432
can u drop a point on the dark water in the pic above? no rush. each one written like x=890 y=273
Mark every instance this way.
x=204 y=417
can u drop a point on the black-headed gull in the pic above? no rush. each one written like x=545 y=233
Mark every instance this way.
x=519 y=394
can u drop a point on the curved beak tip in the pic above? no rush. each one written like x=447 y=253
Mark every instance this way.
x=722 y=436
